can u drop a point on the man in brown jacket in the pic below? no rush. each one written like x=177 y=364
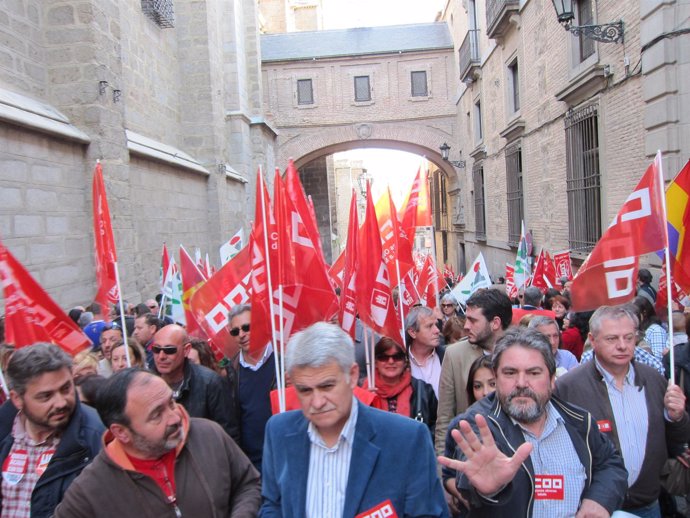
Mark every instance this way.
x=157 y=461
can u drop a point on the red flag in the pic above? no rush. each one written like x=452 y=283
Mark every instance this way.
x=30 y=314
x=540 y=278
x=511 y=289
x=549 y=270
x=348 y=310
x=430 y=282
x=192 y=280
x=165 y=266
x=374 y=300
x=416 y=209
x=106 y=257
x=336 y=271
x=609 y=274
x=395 y=243
x=678 y=215
x=210 y=304
x=286 y=266
x=563 y=265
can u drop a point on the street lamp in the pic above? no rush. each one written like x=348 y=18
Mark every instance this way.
x=364 y=179
x=445 y=150
x=606 y=33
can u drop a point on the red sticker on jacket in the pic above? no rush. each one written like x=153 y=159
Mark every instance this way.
x=548 y=487
x=604 y=426
x=383 y=510
x=14 y=467
x=43 y=461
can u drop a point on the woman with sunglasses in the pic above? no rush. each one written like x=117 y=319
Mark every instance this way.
x=396 y=390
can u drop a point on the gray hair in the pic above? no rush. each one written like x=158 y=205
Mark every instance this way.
x=532 y=296
x=34 y=360
x=448 y=298
x=612 y=313
x=529 y=339
x=415 y=314
x=238 y=310
x=541 y=320
x=318 y=345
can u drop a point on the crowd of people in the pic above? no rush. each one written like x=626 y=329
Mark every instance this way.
x=496 y=407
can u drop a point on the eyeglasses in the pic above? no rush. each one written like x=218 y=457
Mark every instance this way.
x=447 y=305
x=235 y=331
x=153 y=306
x=397 y=357
x=167 y=349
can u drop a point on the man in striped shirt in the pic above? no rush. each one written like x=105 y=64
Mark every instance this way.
x=336 y=457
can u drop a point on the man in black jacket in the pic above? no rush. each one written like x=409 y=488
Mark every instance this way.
x=202 y=392
x=538 y=456
x=46 y=437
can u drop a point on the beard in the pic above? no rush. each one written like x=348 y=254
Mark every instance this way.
x=156 y=449
x=48 y=421
x=525 y=413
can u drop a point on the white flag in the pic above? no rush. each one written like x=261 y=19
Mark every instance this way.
x=477 y=277
x=232 y=248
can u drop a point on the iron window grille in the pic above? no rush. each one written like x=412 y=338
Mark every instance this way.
x=160 y=11
x=362 y=89
x=419 y=84
x=305 y=91
x=514 y=192
x=583 y=177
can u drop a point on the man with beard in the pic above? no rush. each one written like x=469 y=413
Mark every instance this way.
x=158 y=461
x=538 y=456
x=487 y=316
x=46 y=436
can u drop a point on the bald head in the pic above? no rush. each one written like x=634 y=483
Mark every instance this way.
x=170 y=347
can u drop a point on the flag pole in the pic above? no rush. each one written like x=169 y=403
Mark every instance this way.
x=122 y=315
x=281 y=387
x=161 y=306
x=366 y=352
x=401 y=288
x=279 y=380
x=3 y=382
x=373 y=368
x=667 y=259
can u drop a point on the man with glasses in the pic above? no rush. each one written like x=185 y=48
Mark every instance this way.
x=252 y=377
x=202 y=392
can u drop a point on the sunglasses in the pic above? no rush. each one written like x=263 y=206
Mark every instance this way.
x=235 y=331
x=153 y=307
x=447 y=305
x=167 y=349
x=397 y=357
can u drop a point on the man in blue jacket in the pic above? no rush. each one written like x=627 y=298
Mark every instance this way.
x=337 y=457
x=46 y=437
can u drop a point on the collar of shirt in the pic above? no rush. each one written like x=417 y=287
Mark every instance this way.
x=428 y=358
x=21 y=436
x=609 y=379
x=346 y=434
x=267 y=353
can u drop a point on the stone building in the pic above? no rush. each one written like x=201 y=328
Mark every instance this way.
x=557 y=129
x=166 y=94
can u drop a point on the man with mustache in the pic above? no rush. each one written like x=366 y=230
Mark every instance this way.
x=523 y=452
x=158 y=461
x=46 y=436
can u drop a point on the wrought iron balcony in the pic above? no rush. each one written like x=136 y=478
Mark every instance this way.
x=469 y=55
x=498 y=13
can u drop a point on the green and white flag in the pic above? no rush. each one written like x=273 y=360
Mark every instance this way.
x=522 y=267
x=477 y=277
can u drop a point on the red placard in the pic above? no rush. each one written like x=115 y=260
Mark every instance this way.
x=548 y=487
x=383 y=510
x=604 y=426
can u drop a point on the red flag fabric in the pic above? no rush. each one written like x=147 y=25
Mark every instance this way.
x=337 y=270
x=543 y=276
x=678 y=215
x=31 y=315
x=192 y=280
x=549 y=270
x=563 y=265
x=416 y=209
x=609 y=274
x=286 y=266
x=106 y=257
x=210 y=304
x=374 y=300
x=348 y=310
x=511 y=289
x=430 y=283
x=394 y=240
x=407 y=291
x=165 y=265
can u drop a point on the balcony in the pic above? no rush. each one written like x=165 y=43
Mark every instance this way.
x=469 y=56
x=498 y=15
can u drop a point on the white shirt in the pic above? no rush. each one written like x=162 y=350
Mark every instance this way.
x=267 y=353
x=430 y=372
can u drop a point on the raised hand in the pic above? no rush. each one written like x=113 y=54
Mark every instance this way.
x=486 y=467
x=674 y=402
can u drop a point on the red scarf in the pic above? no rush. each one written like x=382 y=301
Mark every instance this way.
x=400 y=391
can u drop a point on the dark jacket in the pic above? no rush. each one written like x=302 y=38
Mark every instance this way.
x=213 y=479
x=606 y=475
x=207 y=394
x=585 y=386
x=79 y=444
x=424 y=404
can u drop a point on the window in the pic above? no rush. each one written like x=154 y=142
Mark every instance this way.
x=160 y=11
x=514 y=87
x=362 y=89
x=514 y=192
x=419 y=86
x=478 y=131
x=583 y=177
x=440 y=201
x=585 y=17
x=305 y=92
x=479 y=207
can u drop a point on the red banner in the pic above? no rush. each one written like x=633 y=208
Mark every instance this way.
x=30 y=314
x=348 y=310
x=192 y=280
x=564 y=267
x=106 y=256
x=416 y=209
